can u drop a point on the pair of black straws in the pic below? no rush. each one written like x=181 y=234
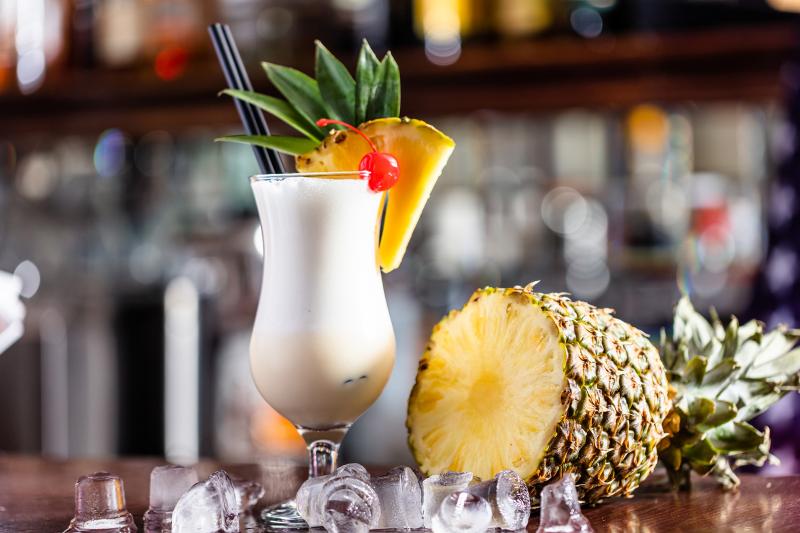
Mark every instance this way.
x=236 y=76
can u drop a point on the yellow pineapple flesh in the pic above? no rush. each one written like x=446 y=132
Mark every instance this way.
x=498 y=381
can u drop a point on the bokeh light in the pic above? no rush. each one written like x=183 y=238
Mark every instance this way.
x=170 y=63
x=30 y=276
x=37 y=176
x=586 y=22
x=31 y=67
x=110 y=152
x=648 y=127
x=442 y=24
x=30 y=44
x=564 y=210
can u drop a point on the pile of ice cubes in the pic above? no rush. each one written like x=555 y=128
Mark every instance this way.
x=350 y=501
x=179 y=502
x=347 y=501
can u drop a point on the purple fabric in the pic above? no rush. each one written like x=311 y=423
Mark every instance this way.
x=776 y=294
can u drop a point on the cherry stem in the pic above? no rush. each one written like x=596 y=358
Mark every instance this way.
x=328 y=121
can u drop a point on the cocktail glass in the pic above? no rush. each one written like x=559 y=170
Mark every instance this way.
x=323 y=346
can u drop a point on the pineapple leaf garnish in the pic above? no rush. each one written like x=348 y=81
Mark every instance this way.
x=282 y=143
x=336 y=85
x=722 y=377
x=385 y=100
x=374 y=93
x=366 y=72
x=281 y=109
x=301 y=90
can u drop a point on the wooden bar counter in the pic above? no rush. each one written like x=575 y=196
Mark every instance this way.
x=36 y=496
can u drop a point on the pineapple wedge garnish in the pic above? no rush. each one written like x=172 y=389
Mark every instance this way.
x=422 y=152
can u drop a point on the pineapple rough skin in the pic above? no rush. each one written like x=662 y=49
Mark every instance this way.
x=614 y=400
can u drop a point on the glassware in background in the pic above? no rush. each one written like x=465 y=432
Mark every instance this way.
x=119 y=32
x=323 y=346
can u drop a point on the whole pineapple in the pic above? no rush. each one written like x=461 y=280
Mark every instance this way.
x=545 y=385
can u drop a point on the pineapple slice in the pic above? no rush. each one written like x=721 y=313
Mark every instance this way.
x=542 y=385
x=420 y=149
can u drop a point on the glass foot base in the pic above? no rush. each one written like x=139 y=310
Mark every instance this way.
x=283 y=516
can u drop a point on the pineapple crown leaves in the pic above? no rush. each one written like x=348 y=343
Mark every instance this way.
x=722 y=376
x=332 y=93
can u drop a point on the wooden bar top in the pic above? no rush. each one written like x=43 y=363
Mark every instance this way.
x=36 y=495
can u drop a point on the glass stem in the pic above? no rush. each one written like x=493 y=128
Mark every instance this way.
x=322 y=458
x=323 y=448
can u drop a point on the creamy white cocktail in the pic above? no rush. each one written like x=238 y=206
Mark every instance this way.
x=322 y=346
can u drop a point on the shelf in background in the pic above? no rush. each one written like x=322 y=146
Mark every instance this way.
x=741 y=64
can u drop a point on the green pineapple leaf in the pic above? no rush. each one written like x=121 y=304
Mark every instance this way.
x=299 y=89
x=719 y=373
x=281 y=109
x=385 y=99
x=723 y=473
x=701 y=453
x=281 y=143
x=736 y=437
x=723 y=413
x=743 y=370
x=695 y=370
x=786 y=364
x=366 y=72
x=336 y=85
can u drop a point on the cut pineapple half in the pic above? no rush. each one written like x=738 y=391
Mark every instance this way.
x=543 y=385
x=492 y=372
x=421 y=151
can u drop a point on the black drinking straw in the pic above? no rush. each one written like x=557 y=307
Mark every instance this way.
x=235 y=74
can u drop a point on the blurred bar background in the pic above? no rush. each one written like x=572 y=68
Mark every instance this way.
x=615 y=149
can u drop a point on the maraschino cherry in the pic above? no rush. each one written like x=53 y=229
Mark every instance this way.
x=383 y=168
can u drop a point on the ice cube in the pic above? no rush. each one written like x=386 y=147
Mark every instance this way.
x=247 y=494
x=348 y=505
x=462 y=512
x=167 y=485
x=508 y=496
x=308 y=498
x=560 y=508
x=400 y=498
x=437 y=488
x=352 y=470
x=208 y=507
x=100 y=505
